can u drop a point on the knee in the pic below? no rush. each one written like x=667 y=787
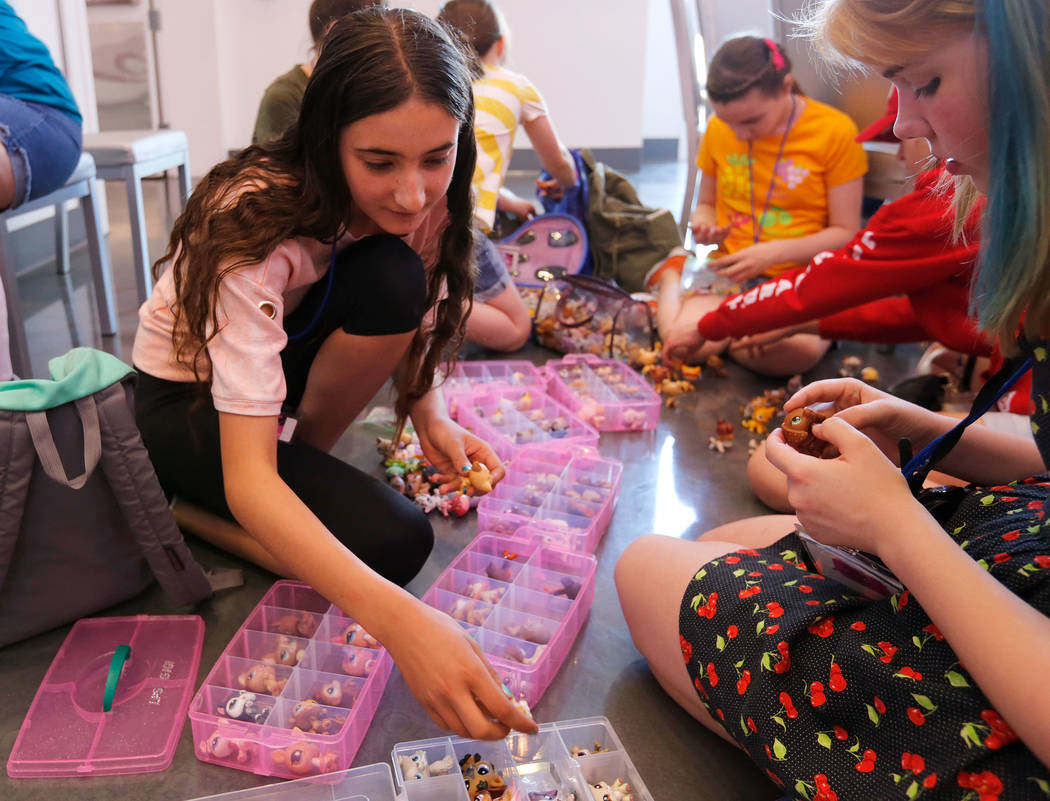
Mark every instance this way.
x=395 y=279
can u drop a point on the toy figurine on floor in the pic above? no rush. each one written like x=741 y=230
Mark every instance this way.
x=355 y=634
x=479 y=776
x=672 y=389
x=222 y=747
x=758 y=421
x=722 y=440
x=262 y=678
x=457 y=505
x=303 y=758
x=416 y=766
x=243 y=706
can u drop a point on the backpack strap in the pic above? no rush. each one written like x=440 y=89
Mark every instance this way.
x=129 y=472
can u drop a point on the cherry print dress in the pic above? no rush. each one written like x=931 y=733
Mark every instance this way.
x=836 y=696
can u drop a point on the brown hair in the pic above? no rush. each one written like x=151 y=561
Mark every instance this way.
x=476 y=22
x=324 y=12
x=371 y=62
x=744 y=63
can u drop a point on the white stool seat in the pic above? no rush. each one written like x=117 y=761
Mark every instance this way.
x=80 y=185
x=129 y=156
x=118 y=148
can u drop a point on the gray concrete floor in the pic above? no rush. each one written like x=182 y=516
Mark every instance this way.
x=672 y=484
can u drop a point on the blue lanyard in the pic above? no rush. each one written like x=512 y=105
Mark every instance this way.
x=919 y=466
x=324 y=300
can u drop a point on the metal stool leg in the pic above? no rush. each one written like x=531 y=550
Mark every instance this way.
x=139 y=242
x=19 y=345
x=61 y=239
x=99 y=255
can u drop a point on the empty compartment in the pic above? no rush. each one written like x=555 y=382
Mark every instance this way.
x=308 y=717
x=507 y=547
x=557 y=561
x=545 y=746
x=345 y=631
x=240 y=705
x=275 y=649
x=424 y=759
x=284 y=620
x=478 y=587
x=459 y=607
x=536 y=604
x=331 y=658
x=293 y=595
x=442 y=788
x=249 y=674
x=327 y=689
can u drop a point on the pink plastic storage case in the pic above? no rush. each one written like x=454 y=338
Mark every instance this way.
x=297 y=661
x=539 y=766
x=606 y=393
x=467 y=376
x=511 y=417
x=523 y=601
x=564 y=493
x=67 y=733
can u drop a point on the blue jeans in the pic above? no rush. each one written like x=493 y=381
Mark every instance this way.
x=43 y=144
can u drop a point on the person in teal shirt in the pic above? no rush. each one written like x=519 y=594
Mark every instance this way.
x=40 y=124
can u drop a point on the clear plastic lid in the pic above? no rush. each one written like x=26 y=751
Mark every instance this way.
x=145 y=686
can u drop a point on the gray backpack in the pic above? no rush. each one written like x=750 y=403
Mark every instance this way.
x=71 y=546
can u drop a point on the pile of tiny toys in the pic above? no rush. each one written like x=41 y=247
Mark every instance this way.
x=408 y=471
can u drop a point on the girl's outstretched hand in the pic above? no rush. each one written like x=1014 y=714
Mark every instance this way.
x=750 y=262
x=452 y=450
x=447 y=673
x=858 y=499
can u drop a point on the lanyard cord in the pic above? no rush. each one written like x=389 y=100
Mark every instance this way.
x=918 y=467
x=755 y=221
x=324 y=301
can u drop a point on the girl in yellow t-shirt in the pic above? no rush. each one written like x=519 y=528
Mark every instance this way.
x=781 y=181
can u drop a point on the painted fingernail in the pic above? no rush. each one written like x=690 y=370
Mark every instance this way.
x=507 y=692
x=466 y=468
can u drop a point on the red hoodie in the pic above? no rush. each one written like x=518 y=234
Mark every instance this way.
x=901 y=279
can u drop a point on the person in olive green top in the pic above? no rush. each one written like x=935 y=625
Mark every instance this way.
x=279 y=106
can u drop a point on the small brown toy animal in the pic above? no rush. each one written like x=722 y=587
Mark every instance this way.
x=798 y=431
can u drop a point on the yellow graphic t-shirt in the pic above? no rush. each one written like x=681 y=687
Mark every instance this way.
x=820 y=152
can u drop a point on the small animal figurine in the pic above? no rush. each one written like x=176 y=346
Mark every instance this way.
x=303 y=758
x=570 y=588
x=426 y=501
x=577 y=751
x=457 y=505
x=672 y=389
x=336 y=693
x=798 y=431
x=657 y=373
x=243 y=706
x=850 y=366
x=261 y=678
x=222 y=747
x=758 y=422
x=302 y=625
x=690 y=372
x=479 y=477
x=715 y=365
x=722 y=439
x=416 y=766
x=633 y=418
x=355 y=634
x=530 y=631
x=869 y=375
x=358 y=663
x=479 y=776
x=310 y=716
x=287 y=653
x=499 y=572
x=619 y=790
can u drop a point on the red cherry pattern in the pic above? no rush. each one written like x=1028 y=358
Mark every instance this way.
x=836 y=681
x=867 y=764
x=816 y=694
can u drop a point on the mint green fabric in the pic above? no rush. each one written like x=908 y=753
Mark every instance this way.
x=75 y=374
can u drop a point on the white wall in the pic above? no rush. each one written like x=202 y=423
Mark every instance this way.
x=662 y=116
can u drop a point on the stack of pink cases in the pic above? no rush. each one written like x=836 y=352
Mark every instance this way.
x=467 y=376
x=67 y=733
x=581 y=759
x=509 y=418
x=565 y=494
x=294 y=691
x=523 y=601
x=606 y=393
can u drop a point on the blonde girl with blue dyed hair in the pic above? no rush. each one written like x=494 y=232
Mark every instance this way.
x=938 y=690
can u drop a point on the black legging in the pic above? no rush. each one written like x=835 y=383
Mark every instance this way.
x=378 y=289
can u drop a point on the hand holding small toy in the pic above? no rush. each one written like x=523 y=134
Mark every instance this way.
x=452 y=450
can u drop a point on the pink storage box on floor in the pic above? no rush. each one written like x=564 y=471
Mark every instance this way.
x=467 y=376
x=297 y=661
x=565 y=494
x=523 y=601
x=606 y=393
x=67 y=733
x=509 y=418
